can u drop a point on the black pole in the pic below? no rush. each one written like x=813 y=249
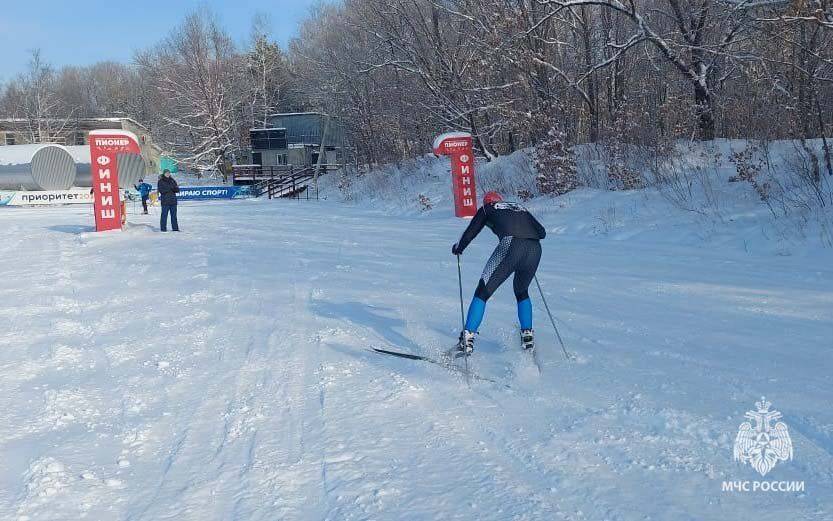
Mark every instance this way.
x=460 y=285
x=552 y=320
x=462 y=316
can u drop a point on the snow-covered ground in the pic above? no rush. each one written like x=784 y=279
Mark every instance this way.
x=224 y=372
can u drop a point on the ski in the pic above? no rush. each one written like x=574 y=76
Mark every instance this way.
x=448 y=365
x=536 y=360
x=528 y=346
x=455 y=354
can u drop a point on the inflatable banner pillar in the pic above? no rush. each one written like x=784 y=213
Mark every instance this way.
x=105 y=147
x=458 y=146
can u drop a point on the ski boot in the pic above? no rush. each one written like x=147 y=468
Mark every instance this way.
x=528 y=339
x=465 y=346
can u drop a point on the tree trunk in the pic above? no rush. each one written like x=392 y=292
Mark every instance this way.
x=705 y=112
x=490 y=156
x=592 y=94
x=825 y=145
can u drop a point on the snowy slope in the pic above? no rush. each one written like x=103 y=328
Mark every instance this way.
x=223 y=373
x=694 y=203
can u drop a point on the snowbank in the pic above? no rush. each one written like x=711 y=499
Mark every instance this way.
x=689 y=197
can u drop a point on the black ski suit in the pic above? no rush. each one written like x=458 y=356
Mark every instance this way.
x=518 y=252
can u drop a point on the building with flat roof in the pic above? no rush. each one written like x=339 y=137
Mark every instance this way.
x=296 y=139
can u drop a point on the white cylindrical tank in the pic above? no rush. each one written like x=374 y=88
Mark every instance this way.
x=36 y=167
x=131 y=167
x=81 y=155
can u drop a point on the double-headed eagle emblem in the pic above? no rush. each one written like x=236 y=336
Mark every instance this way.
x=763 y=445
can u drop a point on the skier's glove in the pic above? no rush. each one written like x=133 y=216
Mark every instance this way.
x=456 y=250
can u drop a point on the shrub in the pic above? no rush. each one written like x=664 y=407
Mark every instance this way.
x=555 y=164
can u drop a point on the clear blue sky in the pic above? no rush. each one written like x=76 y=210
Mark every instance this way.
x=86 y=31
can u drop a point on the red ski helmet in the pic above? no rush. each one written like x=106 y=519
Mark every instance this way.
x=491 y=198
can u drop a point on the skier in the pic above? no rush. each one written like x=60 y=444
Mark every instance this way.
x=144 y=191
x=167 y=188
x=518 y=251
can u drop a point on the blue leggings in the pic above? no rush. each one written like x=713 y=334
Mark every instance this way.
x=478 y=307
x=512 y=255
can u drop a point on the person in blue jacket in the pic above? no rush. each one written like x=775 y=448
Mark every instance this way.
x=144 y=191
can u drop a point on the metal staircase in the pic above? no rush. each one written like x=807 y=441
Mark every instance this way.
x=276 y=182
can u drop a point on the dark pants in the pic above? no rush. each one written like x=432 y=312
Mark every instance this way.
x=145 y=203
x=512 y=255
x=163 y=223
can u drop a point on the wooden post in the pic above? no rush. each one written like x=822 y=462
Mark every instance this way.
x=321 y=153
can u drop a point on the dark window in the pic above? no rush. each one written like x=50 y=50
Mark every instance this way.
x=10 y=138
x=257 y=158
x=268 y=139
x=79 y=138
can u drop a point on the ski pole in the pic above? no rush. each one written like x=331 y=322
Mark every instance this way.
x=460 y=285
x=552 y=320
x=462 y=316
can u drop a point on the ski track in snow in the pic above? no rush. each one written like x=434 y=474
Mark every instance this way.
x=224 y=373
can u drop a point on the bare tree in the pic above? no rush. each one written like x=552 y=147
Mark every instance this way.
x=397 y=72
x=195 y=71
x=34 y=97
x=268 y=73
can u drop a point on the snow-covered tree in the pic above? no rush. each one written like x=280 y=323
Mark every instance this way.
x=267 y=80
x=34 y=97
x=555 y=164
x=195 y=72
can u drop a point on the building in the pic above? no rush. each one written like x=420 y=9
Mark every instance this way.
x=73 y=132
x=296 y=139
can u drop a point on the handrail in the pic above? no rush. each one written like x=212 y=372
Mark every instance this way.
x=275 y=181
x=285 y=186
x=255 y=173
